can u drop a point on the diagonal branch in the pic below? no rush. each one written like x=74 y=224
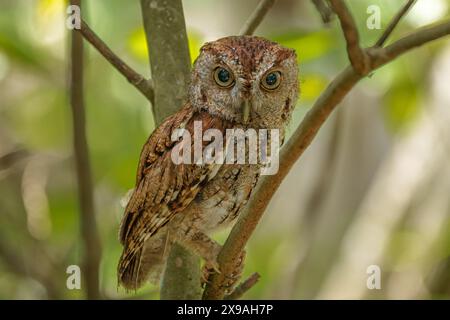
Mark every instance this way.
x=89 y=232
x=300 y=140
x=16 y=264
x=325 y=11
x=10 y=158
x=257 y=16
x=138 y=81
x=409 y=42
x=243 y=287
x=356 y=54
x=394 y=23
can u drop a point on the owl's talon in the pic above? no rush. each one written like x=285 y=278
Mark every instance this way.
x=231 y=279
x=204 y=279
x=216 y=269
x=209 y=268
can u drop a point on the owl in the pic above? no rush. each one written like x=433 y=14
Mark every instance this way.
x=244 y=82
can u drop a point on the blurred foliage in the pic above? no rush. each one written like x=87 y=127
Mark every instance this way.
x=35 y=116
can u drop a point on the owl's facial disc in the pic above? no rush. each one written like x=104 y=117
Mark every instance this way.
x=246 y=79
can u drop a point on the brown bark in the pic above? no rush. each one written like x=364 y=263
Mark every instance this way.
x=89 y=233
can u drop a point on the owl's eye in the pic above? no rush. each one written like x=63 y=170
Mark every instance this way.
x=223 y=77
x=272 y=80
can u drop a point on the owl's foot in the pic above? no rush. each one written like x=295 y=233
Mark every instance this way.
x=204 y=247
x=230 y=279
x=209 y=268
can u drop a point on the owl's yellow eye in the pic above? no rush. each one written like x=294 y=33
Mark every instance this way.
x=271 y=80
x=223 y=77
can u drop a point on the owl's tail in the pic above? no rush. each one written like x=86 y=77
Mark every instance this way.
x=146 y=264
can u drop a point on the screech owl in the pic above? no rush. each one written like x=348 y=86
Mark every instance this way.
x=237 y=82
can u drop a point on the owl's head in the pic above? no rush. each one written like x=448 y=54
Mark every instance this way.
x=246 y=79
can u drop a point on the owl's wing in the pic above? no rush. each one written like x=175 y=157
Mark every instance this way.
x=163 y=188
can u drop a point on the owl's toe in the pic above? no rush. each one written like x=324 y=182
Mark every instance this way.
x=209 y=268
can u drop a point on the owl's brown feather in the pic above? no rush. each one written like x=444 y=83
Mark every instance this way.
x=163 y=189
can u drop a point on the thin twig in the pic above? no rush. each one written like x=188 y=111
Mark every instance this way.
x=325 y=11
x=300 y=140
x=356 y=55
x=394 y=23
x=89 y=232
x=143 y=85
x=15 y=263
x=411 y=41
x=243 y=287
x=257 y=16
x=12 y=157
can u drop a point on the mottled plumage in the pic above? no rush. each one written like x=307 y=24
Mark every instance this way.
x=185 y=202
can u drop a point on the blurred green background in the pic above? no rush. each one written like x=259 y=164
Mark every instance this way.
x=373 y=189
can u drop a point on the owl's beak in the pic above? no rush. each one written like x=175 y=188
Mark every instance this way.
x=246 y=107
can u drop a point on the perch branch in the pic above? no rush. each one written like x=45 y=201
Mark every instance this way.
x=387 y=32
x=298 y=143
x=138 y=81
x=358 y=58
x=257 y=16
x=89 y=230
x=243 y=287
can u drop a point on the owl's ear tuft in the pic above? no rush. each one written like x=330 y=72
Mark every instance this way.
x=291 y=52
x=286 y=53
x=207 y=46
x=294 y=53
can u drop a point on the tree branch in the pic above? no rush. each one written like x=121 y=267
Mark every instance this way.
x=171 y=68
x=243 y=287
x=358 y=58
x=298 y=143
x=418 y=38
x=394 y=23
x=16 y=264
x=89 y=231
x=169 y=55
x=325 y=11
x=257 y=16
x=138 y=81
x=10 y=158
